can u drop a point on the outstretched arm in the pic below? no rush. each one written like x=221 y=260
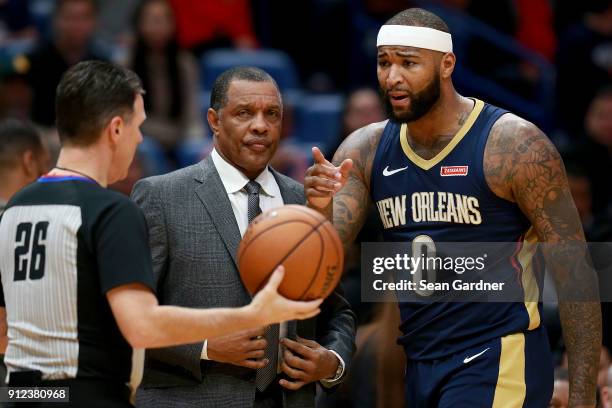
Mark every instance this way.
x=146 y=324
x=522 y=165
x=341 y=191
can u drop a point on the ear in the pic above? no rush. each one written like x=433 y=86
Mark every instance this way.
x=29 y=164
x=214 y=121
x=115 y=128
x=447 y=65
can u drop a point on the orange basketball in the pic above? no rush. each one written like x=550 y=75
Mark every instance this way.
x=301 y=240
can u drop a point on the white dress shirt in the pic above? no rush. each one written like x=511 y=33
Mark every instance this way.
x=269 y=198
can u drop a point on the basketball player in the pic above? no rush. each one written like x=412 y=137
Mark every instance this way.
x=76 y=268
x=465 y=354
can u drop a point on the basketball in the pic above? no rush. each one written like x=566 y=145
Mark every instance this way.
x=301 y=240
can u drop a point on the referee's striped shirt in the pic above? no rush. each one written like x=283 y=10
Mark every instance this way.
x=64 y=243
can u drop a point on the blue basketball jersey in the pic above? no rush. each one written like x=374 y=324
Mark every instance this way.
x=447 y=199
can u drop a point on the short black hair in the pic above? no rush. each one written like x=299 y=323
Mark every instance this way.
x=17 y=137
x=89 y=95
x=418 y=17
x=218 y=95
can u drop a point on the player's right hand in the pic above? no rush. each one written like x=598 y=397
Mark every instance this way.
x=245 y=348
x=270 y=307
x=323 y=179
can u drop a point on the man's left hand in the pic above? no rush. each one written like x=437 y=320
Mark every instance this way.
x=306 y=361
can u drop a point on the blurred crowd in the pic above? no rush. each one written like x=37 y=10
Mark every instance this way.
x=330 y=44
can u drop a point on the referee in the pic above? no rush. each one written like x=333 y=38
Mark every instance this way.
x=77 y=283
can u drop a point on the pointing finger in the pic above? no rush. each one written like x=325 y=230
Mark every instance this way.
x=318 y=156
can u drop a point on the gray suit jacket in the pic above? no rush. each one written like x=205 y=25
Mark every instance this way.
x=194 y=239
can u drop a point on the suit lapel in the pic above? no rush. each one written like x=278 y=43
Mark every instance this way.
x=290 y=194
x=214 y=197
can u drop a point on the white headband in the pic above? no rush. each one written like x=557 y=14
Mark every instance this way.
x=410 y=36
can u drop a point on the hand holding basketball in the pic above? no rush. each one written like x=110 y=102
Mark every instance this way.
x=323 y=179
x=300 y=239
x=270 y=307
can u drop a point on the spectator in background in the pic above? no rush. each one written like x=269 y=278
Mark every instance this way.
x=595 y=149
x=606 y=392
x=15 y=93
x=363 y=106
x=74 y=22
x=560 y=398
x=584 y=64
x=115 y=24
x=16 y=21
x=23 y=158
x=169 y=75
x=205 y=24
x=580 y=187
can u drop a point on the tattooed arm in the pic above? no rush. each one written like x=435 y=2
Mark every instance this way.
x=341 y=191
x=523 y=166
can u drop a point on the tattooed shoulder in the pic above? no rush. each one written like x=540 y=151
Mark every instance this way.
x=360 y=146
x=513 y=142
x=522 y=165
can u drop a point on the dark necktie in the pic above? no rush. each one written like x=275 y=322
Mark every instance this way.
x=266 y=374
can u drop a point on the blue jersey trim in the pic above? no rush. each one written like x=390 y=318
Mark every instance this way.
x=51 y=179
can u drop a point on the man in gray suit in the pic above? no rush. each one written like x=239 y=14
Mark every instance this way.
x=196 y=217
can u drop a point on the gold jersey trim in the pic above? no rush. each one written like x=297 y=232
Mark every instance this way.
x=428 y=164
x=526 y=257
x=511 y=390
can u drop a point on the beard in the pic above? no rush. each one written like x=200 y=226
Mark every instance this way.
x=420 y=102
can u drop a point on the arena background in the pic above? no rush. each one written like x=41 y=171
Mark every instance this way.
x=549 y=61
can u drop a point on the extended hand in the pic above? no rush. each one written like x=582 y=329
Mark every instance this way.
x=306 y=361
x=323 y=179
x=269 y=307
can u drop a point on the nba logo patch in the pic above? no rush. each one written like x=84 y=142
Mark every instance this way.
x=446 y=171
